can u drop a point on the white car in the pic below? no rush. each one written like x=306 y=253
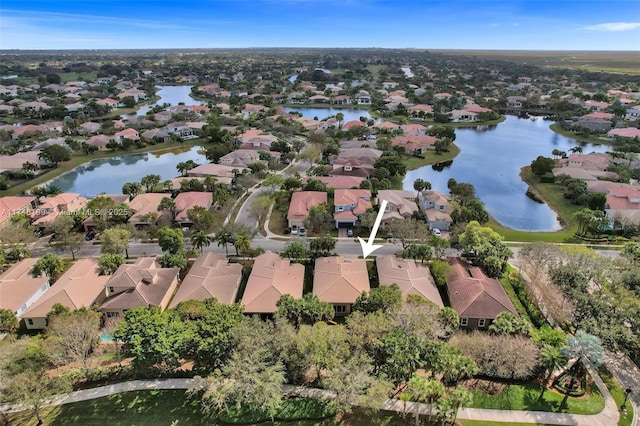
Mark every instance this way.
x=436 y=232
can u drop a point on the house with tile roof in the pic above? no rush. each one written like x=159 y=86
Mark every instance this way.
x=411 y=277
x=137 y=285
x=81 y=286
x=211 y=276
x=185 y=201
x=355 y=162
x=436 y=208
x=144 y=207
x=623 y=205
x=19 y=288
x=14 y=204
x=350 y=205
x=300 y=204
x=476 y=298
x=52 y=207
x=400 y=204
x=340 y=281
x=336 y=182
x=270 y=279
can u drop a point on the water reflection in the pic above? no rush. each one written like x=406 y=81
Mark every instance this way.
x=491 y=160
x=322 y=113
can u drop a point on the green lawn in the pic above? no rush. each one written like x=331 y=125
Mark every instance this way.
x=556 y=127
x=430 y=157
x=483 y=423
x=530 y=397
x=626 y=417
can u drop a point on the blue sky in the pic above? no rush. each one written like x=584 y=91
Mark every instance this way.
x=435 y=24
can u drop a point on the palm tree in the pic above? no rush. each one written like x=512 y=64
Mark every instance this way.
x=224 y=239
x=242 y=243
x=340 y=117
x=199 y=240
x=577 y=149
x=552 y=358
x=424 y=390
x=182 y=168
x=167 y=185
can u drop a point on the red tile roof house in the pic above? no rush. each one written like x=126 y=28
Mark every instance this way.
x=336 y=182
x=340 y=281
x=476 y=298
x=19 y=289
x=355 y=162
x=270 y=279
x=144 y=206
x=350 y=205
x=211 y=276
x=410 y=277
x=142 y=284
x=127 y=134
x=415 y=144
x=300 y=204
x=14 y=204
x=626 y=133
x=623 y=204
x=81 y=286
x=185 y=201
x=54 y=206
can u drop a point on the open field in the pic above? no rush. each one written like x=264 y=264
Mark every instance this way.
x=622 y=62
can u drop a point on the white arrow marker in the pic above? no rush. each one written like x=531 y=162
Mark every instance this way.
x=368 y=247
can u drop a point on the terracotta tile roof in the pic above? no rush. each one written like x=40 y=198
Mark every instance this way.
x=13 y=204
x=337 y=182
x=214 y=170
x=473 y=294
x=410 y=277
x=210 y=276
x=400 y=203
x=271 y=277
x=144 y=204
x=140 y=284
x=56 y=205
x=340 y=280
x=78 y=287
x=302 y=201
x=627 y=132
x=188 y=200
x=17 y=284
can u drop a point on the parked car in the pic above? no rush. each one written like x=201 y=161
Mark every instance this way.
x=90 y=235
x=350 y=232
x=302 y=232
x=436 y=232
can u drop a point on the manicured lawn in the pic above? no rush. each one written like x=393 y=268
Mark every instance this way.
x=278 y=221
x=626 y=417
x=483 y=423
x=530 y=397
x=430 y=157
x=293 y=409
x=556 y=127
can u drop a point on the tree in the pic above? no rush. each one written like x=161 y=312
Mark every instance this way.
x=486 y=248
x=132 y=189
x=393 y=163
x=199 y=240
x=65 y=239
x=26 y=378
x=170 y=240
x=442 y=132
x=386 y=298
x=426 y=391
x=340 y=117
x=260 y=207
x=552 y=358
x=320 y=218
x=408 y=230
x=115 y=241
x=242 y=243
x=49 y=265
x=224 y=239
x=321 y=246
x=152 y=337
x=421 y=185
x=507 y=323
x=201 y=218
x=542 y=165
x=173 y=260
x=150 y=181
x=73 y=337
x=459 y=397
x=307 y=310
x=453 y=365
x=55 y=154
x=8 y=321
x=321 y=347
x=295 y=250
x=585 y=347
x=110 y=262
x=167 y=204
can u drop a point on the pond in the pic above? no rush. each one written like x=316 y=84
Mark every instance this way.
x=491 y=158
x=109 y=174
x=172 y=95
x=322 y=113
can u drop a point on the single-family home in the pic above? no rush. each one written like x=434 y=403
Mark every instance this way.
x=101 y=141
x=240 y=158
x=415 y=144
x=409 y=276
x=624 y=132
x=400 y=204
x=14 y=204
x=52 y=207
x=355 y=162
x=141 y=284
x=363 y=98
x=216 y=170
x=185 y=201
x=270 y=279
x=350 y=205
x=145 y=208
x=211 y=276
x=336 y=182
x=300 y=204
x=623 y=205
x=436 y=208
x=476 y=298
x=81 y=286
x=340 y=281
x=155 y=136
x=19 y=288
x=129 y=133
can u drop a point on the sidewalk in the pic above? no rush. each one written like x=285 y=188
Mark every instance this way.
x=628 y=375
x=608 y=416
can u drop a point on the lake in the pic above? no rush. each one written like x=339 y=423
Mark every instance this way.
x=172 y=95
x=491 y=158
x=322 y=113
x=109 y=174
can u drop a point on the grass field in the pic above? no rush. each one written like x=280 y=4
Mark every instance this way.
x=430 y=157
x=626 y=417
x=620 y=62
x=556 y=127
x=530 y=397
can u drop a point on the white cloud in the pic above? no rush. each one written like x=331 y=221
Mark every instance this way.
x=614 y=26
